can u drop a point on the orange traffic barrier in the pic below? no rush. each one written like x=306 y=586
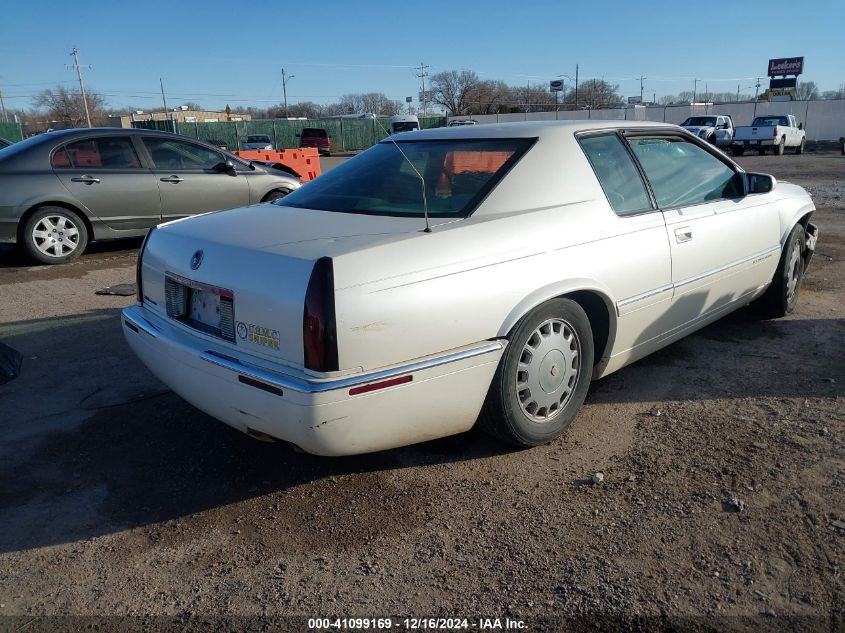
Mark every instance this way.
x=305 y=161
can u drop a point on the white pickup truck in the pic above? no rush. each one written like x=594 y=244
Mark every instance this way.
x=775 y=131
x=716 y=129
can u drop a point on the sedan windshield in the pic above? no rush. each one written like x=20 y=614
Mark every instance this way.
x=258 y=138
x=700 y=121
x=384 y=180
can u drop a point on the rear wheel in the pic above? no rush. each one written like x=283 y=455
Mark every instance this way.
x=543 y=377
x=54 y=235
x=780 y=147
x=738 y=151
x=782 y=294
x=800 y=149
x=276 y=194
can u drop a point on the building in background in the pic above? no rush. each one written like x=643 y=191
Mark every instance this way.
x=180 y=115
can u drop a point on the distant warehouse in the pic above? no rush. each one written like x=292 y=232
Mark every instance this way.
x=180 y=115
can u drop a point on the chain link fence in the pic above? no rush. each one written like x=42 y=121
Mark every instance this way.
x=346 y=134
x=11 y=131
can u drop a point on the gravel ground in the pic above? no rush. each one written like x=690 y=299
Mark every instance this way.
x=721 y=505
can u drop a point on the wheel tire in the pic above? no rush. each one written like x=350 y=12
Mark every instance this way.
x=738 y=151
x=800 y=149
x=762 y=150
x=48 y=235
x=712 y=139
x=782 y=295
x=276 y=194
x=560 y=332
x=780 y=147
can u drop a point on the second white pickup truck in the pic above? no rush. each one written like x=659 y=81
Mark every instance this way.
x=777 y=132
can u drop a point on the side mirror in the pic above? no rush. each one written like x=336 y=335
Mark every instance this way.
x=800 y=126
x=226 y=168
x=759 y=183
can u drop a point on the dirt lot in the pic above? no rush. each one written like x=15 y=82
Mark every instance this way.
x=118 y=498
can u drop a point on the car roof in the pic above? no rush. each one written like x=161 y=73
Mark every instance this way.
x=525 y=129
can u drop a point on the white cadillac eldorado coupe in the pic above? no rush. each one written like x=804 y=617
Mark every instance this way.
x=475 y=273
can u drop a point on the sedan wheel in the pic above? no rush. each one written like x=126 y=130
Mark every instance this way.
x=782 y=295
x=548 y=369
x=54 y=235
x=543 y=377
x=276 y=194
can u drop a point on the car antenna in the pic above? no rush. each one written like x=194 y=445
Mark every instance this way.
x=419 y=175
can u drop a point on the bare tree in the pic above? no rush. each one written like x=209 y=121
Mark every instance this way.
x=807 y=91
x=451 y=89
x=66 y=105
x=378 y=103
x=834 y=94
x=595 y=93
x=308 y=109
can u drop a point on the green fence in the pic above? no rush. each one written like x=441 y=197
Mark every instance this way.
x=11 y=131
x=346 y=134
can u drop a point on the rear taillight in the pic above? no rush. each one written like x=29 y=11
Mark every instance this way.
x=774 y=132
x=139 y=286
x=319 y=329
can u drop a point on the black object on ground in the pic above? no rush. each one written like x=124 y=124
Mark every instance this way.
x=121 y=290
x=10 y=363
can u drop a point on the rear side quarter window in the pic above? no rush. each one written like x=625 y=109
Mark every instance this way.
x=617 y=174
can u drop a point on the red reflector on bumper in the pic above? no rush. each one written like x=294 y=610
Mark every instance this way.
x=384 y=384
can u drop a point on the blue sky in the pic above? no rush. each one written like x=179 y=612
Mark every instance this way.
x=232 y=52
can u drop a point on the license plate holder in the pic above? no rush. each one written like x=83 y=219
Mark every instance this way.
x=204 y=307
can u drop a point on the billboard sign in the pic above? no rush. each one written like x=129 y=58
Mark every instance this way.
x=782 y=94
x=636 y=99
x=556 y=85
x=408 y=99
x=426 y=96
x=786 y=66
x=779 y=84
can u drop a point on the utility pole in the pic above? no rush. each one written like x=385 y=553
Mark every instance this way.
x=576 y=86
x=3 y=106
x=756 y=89
x=75 y=55
x=528 y=98
x=285 y=89
x=641 y=87
x=167 y=113
x=694 y=89
x=422 y=75
x=163 y=99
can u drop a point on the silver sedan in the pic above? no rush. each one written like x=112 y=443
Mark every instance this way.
x=61 y=190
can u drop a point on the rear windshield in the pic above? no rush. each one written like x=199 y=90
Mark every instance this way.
x=770 y=121
x=700 y=121
x=258 y=138
x=406 y=126
x=381 y=181
x=314 y=132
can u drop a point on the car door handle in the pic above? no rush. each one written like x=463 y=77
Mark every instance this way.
x=174 y=179
x=88 y=180
x=683 y=234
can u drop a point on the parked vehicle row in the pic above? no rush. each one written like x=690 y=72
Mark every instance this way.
x=62 y=189
x=461 y=274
